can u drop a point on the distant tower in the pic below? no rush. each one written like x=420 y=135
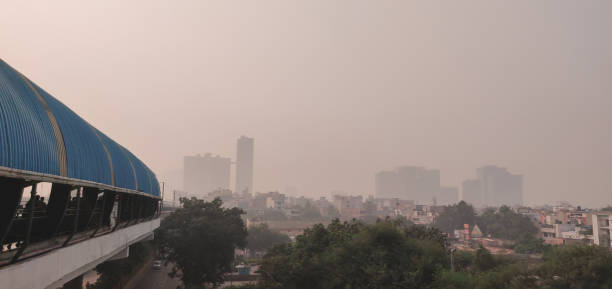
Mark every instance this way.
x=494 y=186
x=244 y=165
x=204 y=174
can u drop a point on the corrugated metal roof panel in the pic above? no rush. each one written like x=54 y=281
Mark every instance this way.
x=40 y=134
x=155 y=184
x=144 y=183
x=27 y=141
x=124 y=175
x=85 y=154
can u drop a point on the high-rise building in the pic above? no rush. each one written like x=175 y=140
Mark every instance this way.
x=408 y=183
x=494 y=186
x=471 y=192
x=205 y=174
x=244 y=165
x=387 y=185
x=447 y=196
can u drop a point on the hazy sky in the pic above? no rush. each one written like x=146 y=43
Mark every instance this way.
x=333 y=91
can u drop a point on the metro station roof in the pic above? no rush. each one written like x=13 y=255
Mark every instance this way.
x=40 y=136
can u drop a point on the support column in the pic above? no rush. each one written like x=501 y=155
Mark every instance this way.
x=88 y=207
x=56 y=208
x=75 y=221
x=30 y=208
x=109 y=203
x=12 y=191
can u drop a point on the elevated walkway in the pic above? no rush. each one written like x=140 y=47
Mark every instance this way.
x=53 y=269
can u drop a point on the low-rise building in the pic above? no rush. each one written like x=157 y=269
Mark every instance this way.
x=349 y=207
x=601 y=228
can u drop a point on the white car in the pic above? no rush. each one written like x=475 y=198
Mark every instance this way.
x=157 y=264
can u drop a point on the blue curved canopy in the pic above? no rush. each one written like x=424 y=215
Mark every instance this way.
x=40 y=134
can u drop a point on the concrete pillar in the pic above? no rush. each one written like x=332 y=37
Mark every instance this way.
x=12 y=191
x=76 y=283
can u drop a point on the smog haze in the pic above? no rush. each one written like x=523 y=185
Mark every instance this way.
x=335 y=91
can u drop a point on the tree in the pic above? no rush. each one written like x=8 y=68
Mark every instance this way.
x=463 y=260
x=245 y=286
x=446 y=279
x=506 y=224
x=455 y=216
x=531 y=245
x=116 y=271
x=261 y=238
x=577 y=266
x=354 y=255
x=506 y=276
x=483 y=260
x=199 y=241
x=426 y=233
x=564 y=267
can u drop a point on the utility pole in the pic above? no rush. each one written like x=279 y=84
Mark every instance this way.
x=452 y=257
x=163 y=189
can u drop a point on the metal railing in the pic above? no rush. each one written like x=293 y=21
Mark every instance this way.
x=31 y=225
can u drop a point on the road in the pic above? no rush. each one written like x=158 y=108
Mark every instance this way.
x=157 y=279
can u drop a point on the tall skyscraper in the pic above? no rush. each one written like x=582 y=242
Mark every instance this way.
x=447 y=196
x=471 y=192
x=494 y=186
x=387 y=185
x=409 y=183
x=244 y=165
x=205 y=174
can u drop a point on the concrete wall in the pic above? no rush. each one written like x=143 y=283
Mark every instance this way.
x=57 y=267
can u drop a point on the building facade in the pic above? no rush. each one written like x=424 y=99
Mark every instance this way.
x=409 y=183
x=601 y=229
x=244 y=165
x=205 y=174
x=471 y=192
x=349 y=207
x=387 y=185
x=494 y=186
x=447 y=196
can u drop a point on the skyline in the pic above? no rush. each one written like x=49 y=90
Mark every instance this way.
x=333 y=99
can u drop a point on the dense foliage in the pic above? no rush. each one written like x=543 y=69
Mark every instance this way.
x=505 y=223
x=261 y=238
x=389 y=254
x=199 y=241
x=576 y=267
x=502 y=223
x=356 y=255
x=455 y=216
x=564 y=267
x=531 y=245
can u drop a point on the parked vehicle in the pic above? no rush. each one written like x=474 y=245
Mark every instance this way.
x=157 y=264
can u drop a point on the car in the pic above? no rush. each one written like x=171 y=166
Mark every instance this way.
x=157 y=264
